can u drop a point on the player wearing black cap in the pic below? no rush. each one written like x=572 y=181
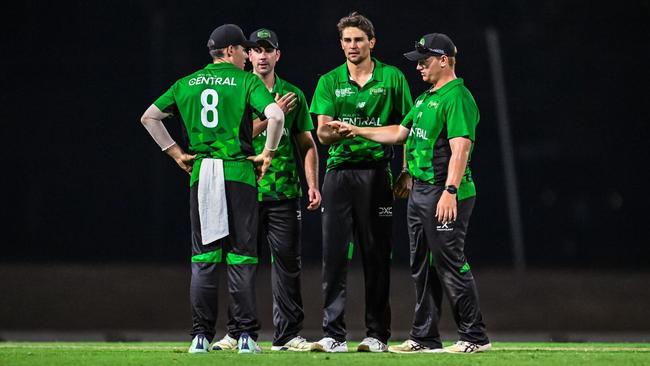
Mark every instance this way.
x=279 y=194
x=217 y=105
x=439 y=131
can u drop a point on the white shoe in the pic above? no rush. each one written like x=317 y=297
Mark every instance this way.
x=199 y=344
x=467 y=347
x=297 y=343
x=411 y=346
x=329 y=344
x=246 y=344
x=226 y=343
x=371 y=344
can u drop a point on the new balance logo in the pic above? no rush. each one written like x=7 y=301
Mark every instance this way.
x=386 y=211
x=444 y=227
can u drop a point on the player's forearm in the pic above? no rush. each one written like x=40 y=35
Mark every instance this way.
x=327 y=136
x=460 y=148
x=259 y=126
x=275 y=126
x=390 y=135
x=152 y=121
x=310 y=158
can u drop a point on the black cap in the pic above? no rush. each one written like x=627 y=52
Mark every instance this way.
x=228 y=35
x=264 y=37
x=432 y=44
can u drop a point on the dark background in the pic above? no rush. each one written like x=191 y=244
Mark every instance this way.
x=83 y=181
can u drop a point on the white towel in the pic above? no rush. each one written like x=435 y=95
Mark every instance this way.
x=213 y=210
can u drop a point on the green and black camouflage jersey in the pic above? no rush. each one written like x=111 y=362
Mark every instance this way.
x=385 y=99
x=217 y=105
x=282 y=180
x=437 y=117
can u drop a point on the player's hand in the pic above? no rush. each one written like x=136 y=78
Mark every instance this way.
x=403 y=185
x=446 y=210
x=186 y=162
x=262 y=162
x=314 y=199
x=287 y=102
x=344 y=129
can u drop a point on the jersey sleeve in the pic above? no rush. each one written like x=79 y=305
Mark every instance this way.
x=167 y=102
x=303 y=119
x=408 y=119
x=258 y=96
x=462 y=116
x=323 y=100
x=403 y=99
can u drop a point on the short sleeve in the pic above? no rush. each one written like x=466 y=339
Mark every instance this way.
x=408 y=119
x=258 y=96
x=167 y=102
x=323 y=100
x=462 y=116
x=303 y=119
x=403 y=100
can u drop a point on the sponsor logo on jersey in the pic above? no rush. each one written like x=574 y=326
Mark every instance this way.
x=360 y=105
x=433 y=103
x=418 y=103
x=212 y=80
x=386 y=211
x=377 y=91
x=358 y=121
x=444 y=227
x=419 y=133
x=343 y=92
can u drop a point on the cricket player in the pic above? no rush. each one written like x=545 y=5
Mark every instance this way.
x=440 y=132
x=217 y=105
x=357 y=189
x=279 y=194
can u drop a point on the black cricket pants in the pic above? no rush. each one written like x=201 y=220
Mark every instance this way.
x=437 y=258
x=241 y=245
x=280 y=229
x=357 y=203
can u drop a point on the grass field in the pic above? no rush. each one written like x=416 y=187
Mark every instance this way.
x=24 y=353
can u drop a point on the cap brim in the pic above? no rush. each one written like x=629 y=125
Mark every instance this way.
x=417 y=56
x=249 y=44
x=266 y=43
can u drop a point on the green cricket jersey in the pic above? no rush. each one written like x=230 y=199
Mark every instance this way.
x=282 y=181
x=217 y=105
x=437 y=117
x=385 y=99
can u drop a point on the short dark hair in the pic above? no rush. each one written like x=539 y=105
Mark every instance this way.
x=356 y=20
x=217 y=53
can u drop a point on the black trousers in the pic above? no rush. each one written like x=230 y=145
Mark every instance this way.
x=280 y=229
x=241 y=245
x=357 y=206
x=438 y=261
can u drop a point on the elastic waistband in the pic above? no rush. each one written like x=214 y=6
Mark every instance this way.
x=362 y=165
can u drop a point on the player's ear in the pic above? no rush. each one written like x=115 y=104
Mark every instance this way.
x=278 y=58
x=372 y=43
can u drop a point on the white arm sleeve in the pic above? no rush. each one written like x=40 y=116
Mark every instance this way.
x=275 y=126
x=152 y=121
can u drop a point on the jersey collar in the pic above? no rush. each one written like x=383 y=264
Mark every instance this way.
x=447 y=87
x=343 y=74
x=221 y=65
x=278 y=86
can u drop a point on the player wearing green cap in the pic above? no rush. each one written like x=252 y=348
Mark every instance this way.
x=357 y=189
x=439 y=132
x=217 y=105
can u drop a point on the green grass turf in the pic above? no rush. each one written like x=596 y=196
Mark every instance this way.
x=64 y=353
